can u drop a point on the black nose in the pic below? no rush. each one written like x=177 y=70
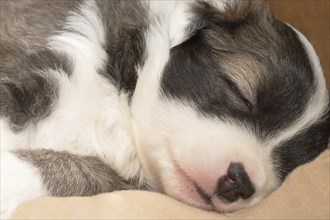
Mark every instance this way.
x=235 y=184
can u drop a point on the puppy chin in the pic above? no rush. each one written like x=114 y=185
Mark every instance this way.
x=187 y=162
x=178 y=184
x=183 y=188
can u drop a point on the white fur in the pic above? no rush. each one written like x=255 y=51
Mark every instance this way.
x=17 y=186
x=90 y=117
x=178 y=15
x=10 y=140
x=94 y=115
x=147 y=92
x=188 y=147
x=180 y=18
x=169 y=134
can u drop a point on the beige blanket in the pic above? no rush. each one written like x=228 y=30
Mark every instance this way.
x=304 y=195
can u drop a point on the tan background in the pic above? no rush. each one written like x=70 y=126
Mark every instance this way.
x=311 y=17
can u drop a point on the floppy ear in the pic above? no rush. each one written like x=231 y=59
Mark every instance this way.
x=190 y=18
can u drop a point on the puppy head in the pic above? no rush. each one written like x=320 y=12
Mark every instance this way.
x=242 y=102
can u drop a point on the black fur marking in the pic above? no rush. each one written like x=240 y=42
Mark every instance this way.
x=196 y=72
x=192 y=75
x=302 y=148
x=125 y=24
x=66 y=174
x=27 y=94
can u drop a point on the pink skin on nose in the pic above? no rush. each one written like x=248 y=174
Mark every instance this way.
x=207 y=178
x=195 y=182
x=186 y=191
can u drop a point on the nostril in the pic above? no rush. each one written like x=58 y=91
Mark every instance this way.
x=230 y=178
x=227 y=190
x=239 y=195
x=235 y=184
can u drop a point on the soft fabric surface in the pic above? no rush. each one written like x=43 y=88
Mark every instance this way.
x=304 y=195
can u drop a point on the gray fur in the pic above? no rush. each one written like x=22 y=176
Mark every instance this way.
x=31 y=22
x=125 y=25
x=66 y=174
x=27 y=93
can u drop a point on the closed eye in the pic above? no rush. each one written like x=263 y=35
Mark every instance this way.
x=239 y=100
x=247 y=102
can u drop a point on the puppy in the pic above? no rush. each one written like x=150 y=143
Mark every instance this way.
x=213 y=103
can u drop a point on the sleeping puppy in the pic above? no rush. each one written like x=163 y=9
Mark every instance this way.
x=213 y=103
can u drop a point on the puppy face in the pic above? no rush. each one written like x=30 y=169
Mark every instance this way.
x=241 y=103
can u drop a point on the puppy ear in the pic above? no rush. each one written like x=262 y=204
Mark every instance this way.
x=188 y=19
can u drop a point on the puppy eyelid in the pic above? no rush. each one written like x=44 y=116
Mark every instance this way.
x=240 y=96
x=247 y=102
